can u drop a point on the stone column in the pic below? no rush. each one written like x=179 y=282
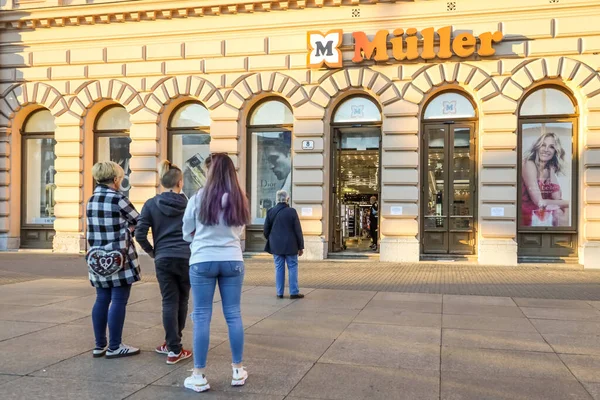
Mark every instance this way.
x=590 y=182
x=144 y=151
x=69 y=208
x=308 y=178
x=398 y=222
x=498 y=180
x=6 y=241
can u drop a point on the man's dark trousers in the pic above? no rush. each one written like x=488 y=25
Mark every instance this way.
x=173 y=276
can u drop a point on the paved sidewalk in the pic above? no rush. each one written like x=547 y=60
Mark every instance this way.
x=554 y=281
x=334 y=344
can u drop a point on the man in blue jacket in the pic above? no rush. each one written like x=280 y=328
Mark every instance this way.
x=285 y=242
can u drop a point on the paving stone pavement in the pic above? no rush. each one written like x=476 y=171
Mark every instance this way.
x=549 y=281
x=334 y=344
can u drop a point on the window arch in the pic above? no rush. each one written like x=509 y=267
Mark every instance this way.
x=547 y=101
x=547 y=174
x=189 y=143
x=38 y=179
x=269 y=155
x=449 y=105
x=357 y=109
x=111 y=132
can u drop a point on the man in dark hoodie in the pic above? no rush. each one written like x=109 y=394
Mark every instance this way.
x=164 y=215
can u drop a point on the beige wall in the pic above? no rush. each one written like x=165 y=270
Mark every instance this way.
x=89 y=57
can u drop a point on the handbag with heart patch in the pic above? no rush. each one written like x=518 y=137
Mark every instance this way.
x=106 y=263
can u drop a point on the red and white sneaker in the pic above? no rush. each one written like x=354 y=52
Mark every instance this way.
x=162 y=349
x=173 y=358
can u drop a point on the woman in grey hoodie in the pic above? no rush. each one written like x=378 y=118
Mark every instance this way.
x=164 y=215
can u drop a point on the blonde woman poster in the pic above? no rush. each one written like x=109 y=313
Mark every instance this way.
x=546 y=175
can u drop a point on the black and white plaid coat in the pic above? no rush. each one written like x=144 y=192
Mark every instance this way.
x=110 y=220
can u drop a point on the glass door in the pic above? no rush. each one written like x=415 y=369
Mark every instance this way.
x=449 y=189
x=338 y=212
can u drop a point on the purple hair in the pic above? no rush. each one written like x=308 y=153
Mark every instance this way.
x=222 y=180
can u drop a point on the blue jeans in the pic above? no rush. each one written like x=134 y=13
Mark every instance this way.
x=292 y=263
x=204 y=277
x=116 y=298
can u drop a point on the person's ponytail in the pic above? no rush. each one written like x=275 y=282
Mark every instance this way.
x=169 y=174
x=163 y=168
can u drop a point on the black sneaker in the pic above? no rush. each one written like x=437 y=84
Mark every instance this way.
x=297 y=296
x=280 y=296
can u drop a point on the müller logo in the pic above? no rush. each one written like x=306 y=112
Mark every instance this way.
x=324 y=49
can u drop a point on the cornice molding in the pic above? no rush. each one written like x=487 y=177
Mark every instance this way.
x=155 y=10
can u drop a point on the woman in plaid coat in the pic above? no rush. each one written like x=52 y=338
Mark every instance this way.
x=112 y=259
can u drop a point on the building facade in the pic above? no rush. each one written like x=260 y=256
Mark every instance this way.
x=474 y=126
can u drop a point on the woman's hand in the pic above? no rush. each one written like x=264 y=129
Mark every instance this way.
x=542 y=204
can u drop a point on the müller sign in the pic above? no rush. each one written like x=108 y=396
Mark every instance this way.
x=324 y=49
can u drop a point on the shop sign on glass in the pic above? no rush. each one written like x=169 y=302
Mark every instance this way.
x=449 y=107
x=324 y=48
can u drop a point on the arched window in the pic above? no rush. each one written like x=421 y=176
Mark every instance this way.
x=38 y=180
x=357 y=109
x=548 y=174
x=449 y=105
x=189 y=144
x=112 y=140
x=547 y=101
x=269 y=155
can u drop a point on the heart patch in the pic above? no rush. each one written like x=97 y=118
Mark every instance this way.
x=105 y=263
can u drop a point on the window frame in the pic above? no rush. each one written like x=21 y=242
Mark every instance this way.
x=574 y=207
x=25 y=136
x=173 y=131
x=250 y=130
x=176 y=131
x=108 y=133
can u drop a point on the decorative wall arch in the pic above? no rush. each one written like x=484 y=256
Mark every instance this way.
x=93 y=92
x=18 y=96
x=194 y=87
x=580 y=78
x=276 y=83
x=377 y=85
x=478 y=84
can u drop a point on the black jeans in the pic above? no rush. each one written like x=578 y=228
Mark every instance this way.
x=373 y=231
x=173 y=276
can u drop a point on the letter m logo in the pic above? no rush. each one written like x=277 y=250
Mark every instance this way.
x=324 y=49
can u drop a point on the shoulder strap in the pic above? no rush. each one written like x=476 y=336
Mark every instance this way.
x=276 y=214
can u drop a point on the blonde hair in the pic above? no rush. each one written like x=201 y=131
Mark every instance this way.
x=558 y=161
x=169 y=174
x=107 y=171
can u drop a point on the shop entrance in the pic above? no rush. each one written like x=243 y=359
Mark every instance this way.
x=449 y=220
x=449 y=182
x=356 y=189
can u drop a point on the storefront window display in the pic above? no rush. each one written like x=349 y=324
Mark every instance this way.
x=270 y=145
x=190 y=144
x=39 y=179
x=547 y=160
x=112 y=140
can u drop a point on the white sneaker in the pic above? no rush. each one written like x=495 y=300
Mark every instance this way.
x=122 y=351
x=197 y=383
x=99 y=352
x=239 y=376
